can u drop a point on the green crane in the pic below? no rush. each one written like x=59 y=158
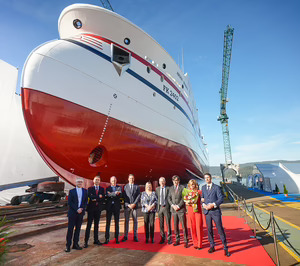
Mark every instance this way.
x=106 y=4
x=223 y=118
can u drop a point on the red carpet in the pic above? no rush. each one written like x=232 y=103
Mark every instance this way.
x=243 y=249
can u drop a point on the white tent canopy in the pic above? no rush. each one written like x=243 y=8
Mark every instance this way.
x=279 y=174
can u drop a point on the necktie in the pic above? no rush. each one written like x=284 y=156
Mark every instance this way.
x=162 y=200
x=97 y=192
x=176 y=189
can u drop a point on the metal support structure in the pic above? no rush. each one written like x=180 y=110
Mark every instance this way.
x=223 y=118
x=106 y=4
x=275 y=239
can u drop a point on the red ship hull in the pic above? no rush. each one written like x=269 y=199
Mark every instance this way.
x=66 y=133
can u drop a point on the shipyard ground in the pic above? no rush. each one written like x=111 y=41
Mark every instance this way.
x=42 y=242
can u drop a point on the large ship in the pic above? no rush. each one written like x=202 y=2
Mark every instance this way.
x=107 y=98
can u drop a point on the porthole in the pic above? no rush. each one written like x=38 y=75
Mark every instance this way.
x=154 y=94
x=182 y=86
x=164 y=66
x=127 y=41
x=77 y=23
x=148 y=69
x=162 y=78
x=95 y=155
x=174 y=107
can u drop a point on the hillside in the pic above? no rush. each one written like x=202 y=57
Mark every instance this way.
x=245 y=168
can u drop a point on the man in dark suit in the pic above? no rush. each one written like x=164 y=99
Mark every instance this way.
x=77 y=201
x=212 y=198
x=113 y=206
x=178 y=210
x=96 y=196
x=131 y=198
x=162 y=193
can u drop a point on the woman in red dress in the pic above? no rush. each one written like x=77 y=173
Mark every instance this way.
x=192 y=198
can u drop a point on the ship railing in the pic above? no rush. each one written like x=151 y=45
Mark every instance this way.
x=249 y=210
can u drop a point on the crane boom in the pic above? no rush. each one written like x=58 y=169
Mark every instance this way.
x=106 y=4
x=223 y=118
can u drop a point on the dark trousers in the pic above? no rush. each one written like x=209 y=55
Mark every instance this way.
x=180 y=216
x=162 y=214
x=149 y=219
x=93 y=215
x=74 y=220
x=113 y=210
x=218 y=221
x=127 y=213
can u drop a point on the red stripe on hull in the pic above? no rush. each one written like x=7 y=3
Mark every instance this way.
x=146 y=63
x=65 y=133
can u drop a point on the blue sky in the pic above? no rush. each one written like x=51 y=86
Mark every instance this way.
x=264 y=85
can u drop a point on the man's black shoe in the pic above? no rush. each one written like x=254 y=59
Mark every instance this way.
x=211 y=250
x=67 y=249
x=77 y=247
x=186 y=245
x=98 y=243
x=162 y=241
x=124 y=239
x=117 y=241
x=85 y=245
x=135 y=239
x=169 y=242
x=106 y=241
x=176 y=243
x=146 y=241
x=226 y=253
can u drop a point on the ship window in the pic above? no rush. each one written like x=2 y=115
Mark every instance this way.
x=164 y=66
x=182 y=86
x=148 y=69
x=162 y=78
x=127 y=41
x=77 y=23
x=120 y=56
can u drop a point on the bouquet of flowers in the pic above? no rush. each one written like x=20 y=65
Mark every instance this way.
x=191 y=198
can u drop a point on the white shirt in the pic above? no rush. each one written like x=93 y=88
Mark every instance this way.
x=79 y=195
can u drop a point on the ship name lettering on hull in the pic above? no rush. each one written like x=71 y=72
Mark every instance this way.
x=170 y=93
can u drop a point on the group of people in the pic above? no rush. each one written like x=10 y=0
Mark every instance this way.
x=175 y=201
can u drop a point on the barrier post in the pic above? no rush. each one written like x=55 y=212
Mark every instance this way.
x=275 y=239
x=246 y=211
x=238 y=203
x=254 y=225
